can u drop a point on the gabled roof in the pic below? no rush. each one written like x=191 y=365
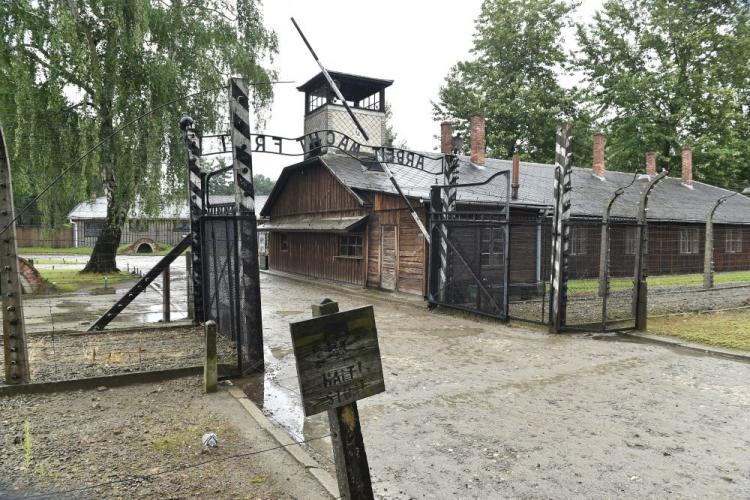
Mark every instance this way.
x=670 y=200
x=352 y=87
x=290 y=170
x=97 y=208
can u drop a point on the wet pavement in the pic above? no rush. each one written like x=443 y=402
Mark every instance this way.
x=77 y=310
x=476 y=409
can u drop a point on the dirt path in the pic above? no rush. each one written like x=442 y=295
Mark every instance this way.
x=145 y=442
x=480 y=410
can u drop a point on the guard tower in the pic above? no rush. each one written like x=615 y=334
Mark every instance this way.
x=366 y=97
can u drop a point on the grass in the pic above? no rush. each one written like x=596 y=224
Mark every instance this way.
x=589 y=286
x=71 y=280
x=60 y=260
x=729 y=329
x=54 y=251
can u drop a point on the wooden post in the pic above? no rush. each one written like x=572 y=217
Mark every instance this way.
x=352 y=470
x=189 y=278
x=14 y=330
x=166 y=313
x=211 y=364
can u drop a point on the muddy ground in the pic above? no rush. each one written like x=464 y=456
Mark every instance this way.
x=476 y=409
x=142 y=441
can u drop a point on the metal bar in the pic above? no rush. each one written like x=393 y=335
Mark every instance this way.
x=247 y=243
x=14 y=327
x=165 y=296
x=331 y=82
x=139 y=287
x=196 y=204
x=560 y=229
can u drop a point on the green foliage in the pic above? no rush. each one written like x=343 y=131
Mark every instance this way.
x=224 y=183
x=73 y=71
x=662 y=75
x=513 y=79
x=263 y=185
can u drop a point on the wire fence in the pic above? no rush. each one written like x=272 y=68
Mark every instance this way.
x=60 y=303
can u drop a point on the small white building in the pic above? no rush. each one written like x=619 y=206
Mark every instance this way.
x=168 y=227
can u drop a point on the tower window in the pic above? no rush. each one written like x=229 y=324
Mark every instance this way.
x=370 y=102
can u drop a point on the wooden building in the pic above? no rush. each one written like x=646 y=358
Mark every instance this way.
x=322 y=228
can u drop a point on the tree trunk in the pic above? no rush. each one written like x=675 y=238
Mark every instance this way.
x=103 y=257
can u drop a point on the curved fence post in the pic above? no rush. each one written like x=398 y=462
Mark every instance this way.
x=640 y=295
x=708 y=254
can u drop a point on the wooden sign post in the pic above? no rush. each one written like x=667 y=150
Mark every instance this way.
x=338 y=362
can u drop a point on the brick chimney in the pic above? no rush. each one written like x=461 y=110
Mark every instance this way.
x=598 y=162
x=687 y=167
x=515 y=176
x=446 y=138
x=651 y=163
x=478 y=139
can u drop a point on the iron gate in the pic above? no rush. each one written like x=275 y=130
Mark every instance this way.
x=469 y=247
x=221 y=279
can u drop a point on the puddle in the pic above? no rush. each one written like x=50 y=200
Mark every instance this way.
x=454 y=332
x=289 y=313
x=280 y=352
x=103 y=291
x=71 y=304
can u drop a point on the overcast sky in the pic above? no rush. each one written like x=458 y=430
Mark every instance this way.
x=413 y=42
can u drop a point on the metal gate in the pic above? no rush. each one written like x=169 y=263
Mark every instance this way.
x=469 y=247
x=221 y=279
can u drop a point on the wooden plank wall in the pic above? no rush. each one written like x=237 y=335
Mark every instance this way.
x=312 y=190
x=412 y=251
x=314 y=254
x=35 y=236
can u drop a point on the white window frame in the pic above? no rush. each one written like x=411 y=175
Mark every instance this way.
x=690 y=239
x=631 y=239
x=579 y=240
x=733 y=240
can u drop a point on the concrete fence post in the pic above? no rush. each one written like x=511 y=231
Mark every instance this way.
x=211 y=363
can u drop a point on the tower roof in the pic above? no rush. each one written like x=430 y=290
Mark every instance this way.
x=352 y=87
